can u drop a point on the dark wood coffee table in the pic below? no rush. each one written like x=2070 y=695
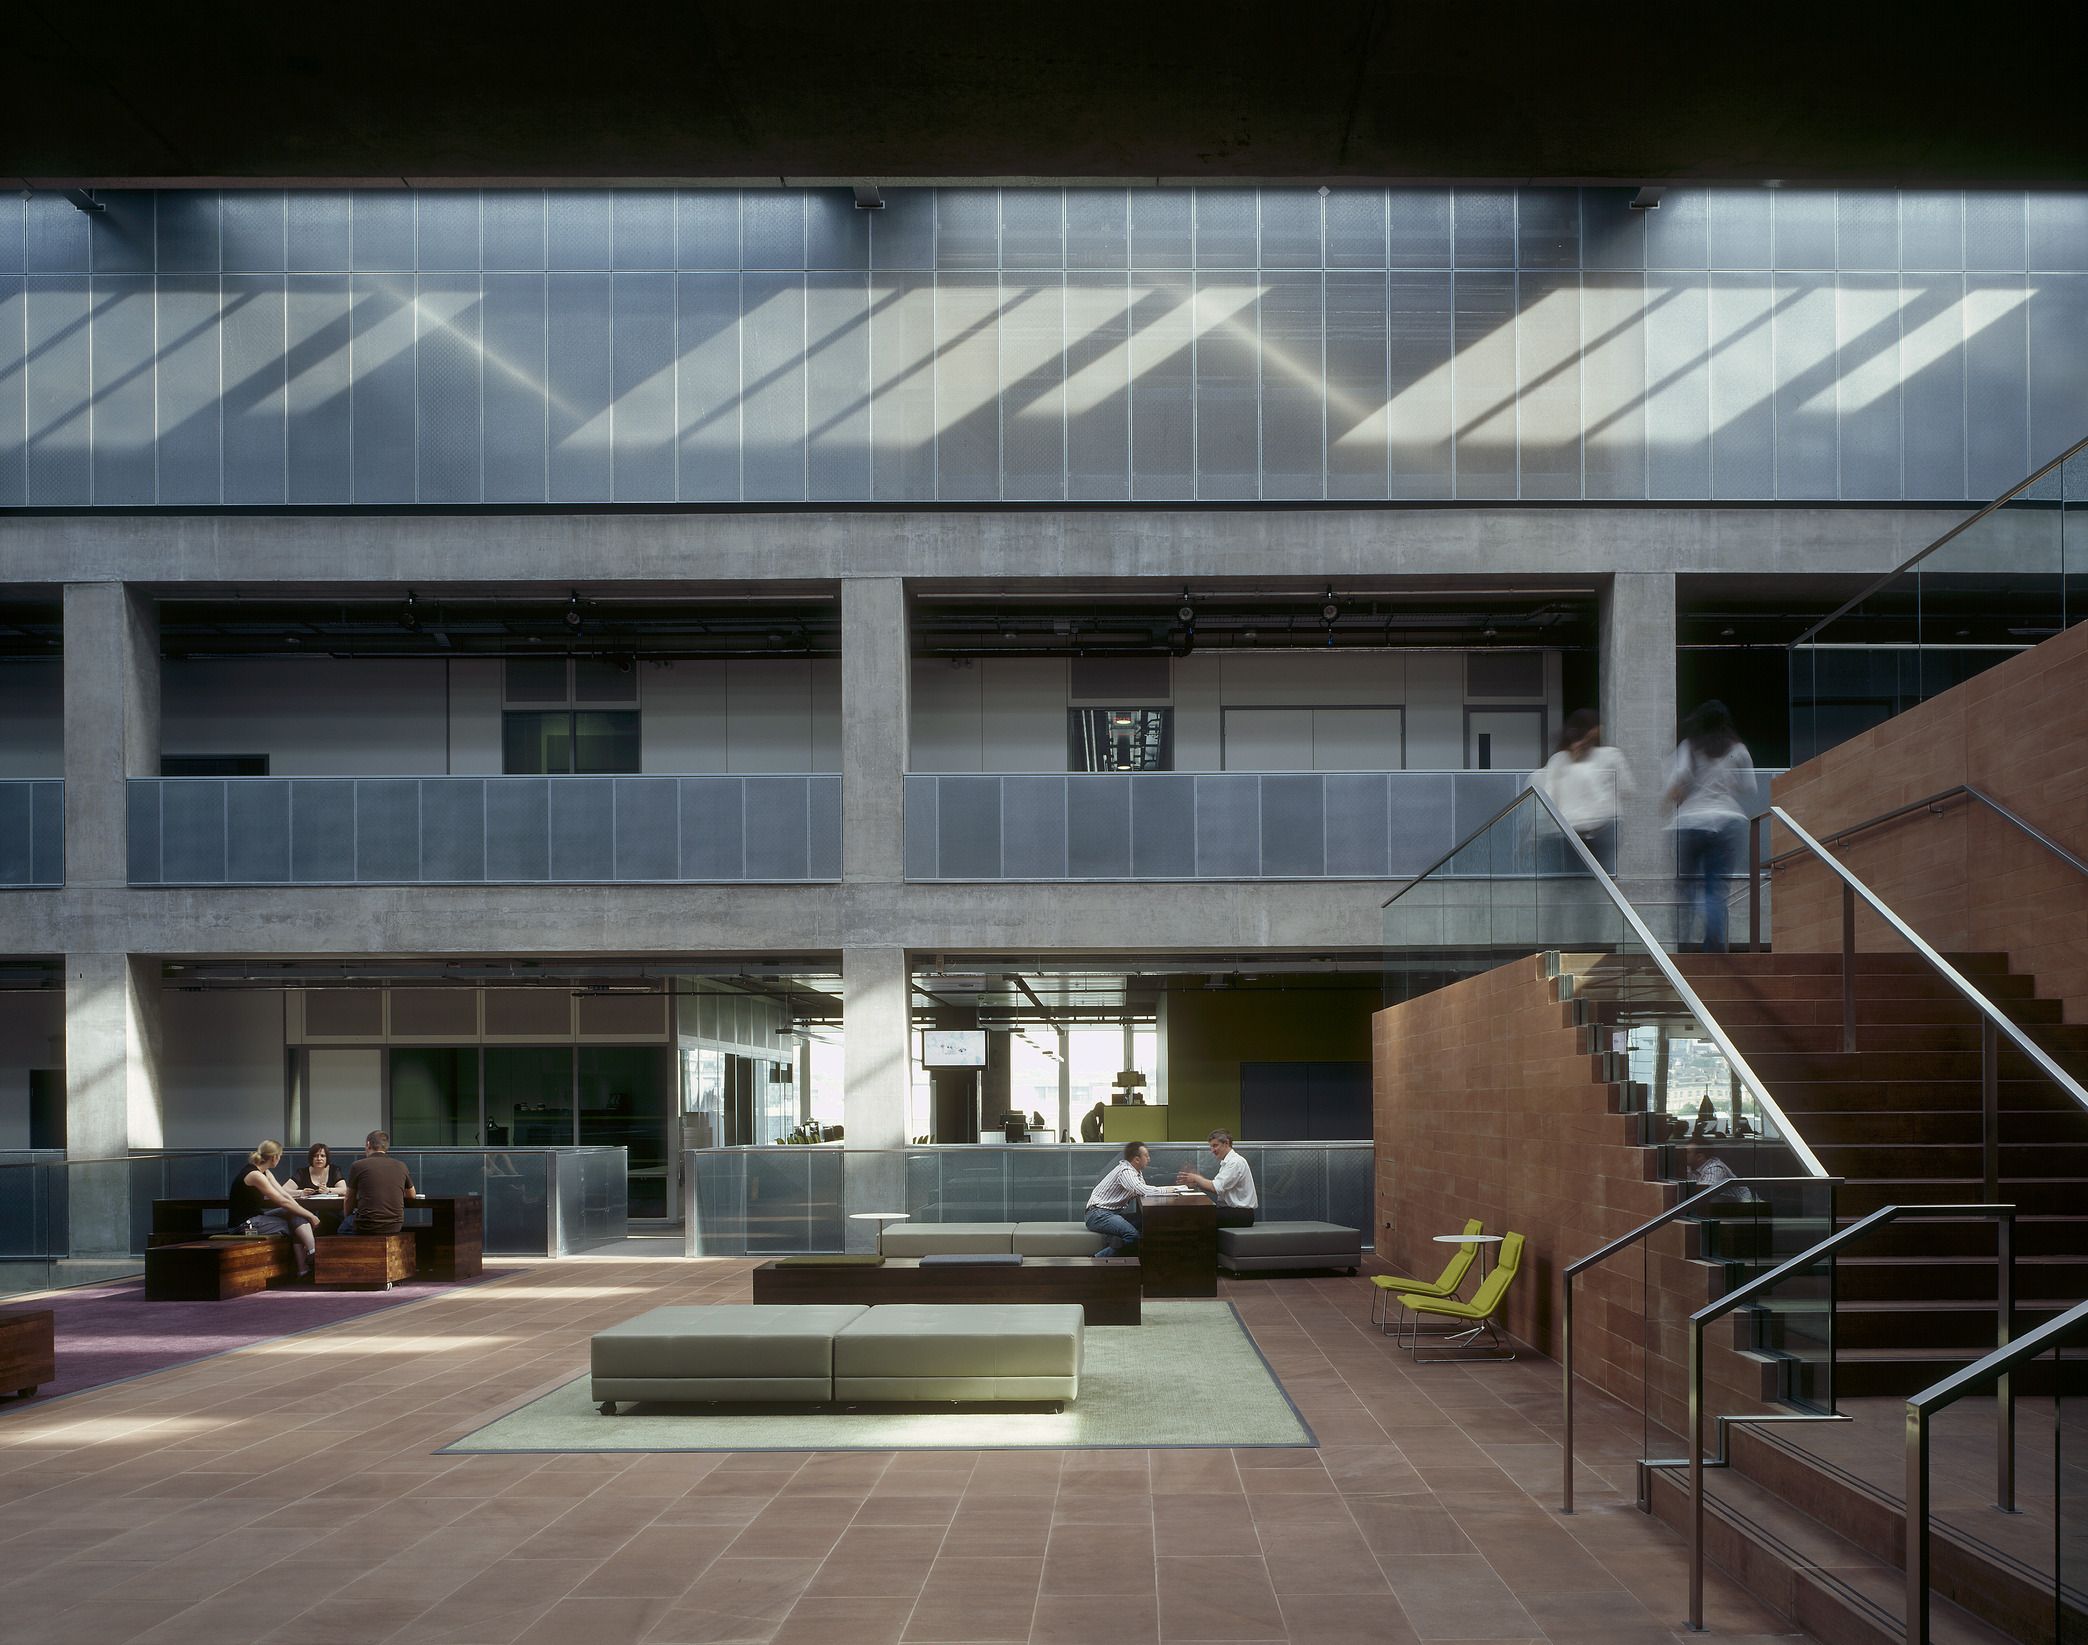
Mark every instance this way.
x=1178 y=1243
x=1107 y=1287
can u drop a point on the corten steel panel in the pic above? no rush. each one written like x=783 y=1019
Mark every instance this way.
x=1228 y=826
x=322 y=831
x=192 y=832
x=387 y=830
x=257 y=831
x=968 y=828
x=1294 y=822
x=648 y=828
x=713 y=828
x=583 y=825
x=453 y=829
x=778 y=828
x=518 y=828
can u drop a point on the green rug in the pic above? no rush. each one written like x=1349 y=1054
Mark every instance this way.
x=1189 y=1376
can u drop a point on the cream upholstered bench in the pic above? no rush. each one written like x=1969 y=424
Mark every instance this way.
x=1028 y=1239
x=774 y=1352
x=810 y=1353
x=962 y=1351
x=1056 y=1239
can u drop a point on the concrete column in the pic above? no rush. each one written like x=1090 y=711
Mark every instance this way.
x=112 y=1100
x=112 y=721
x=1638 y=716
x=876 y=670
x=877 y=1066
x=1065 y=1073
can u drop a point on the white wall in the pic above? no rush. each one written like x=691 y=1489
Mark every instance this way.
x=1009 y=713
x=32 y=719
x=475 y=688
x=312 y=716
x=761 y=715
x=222 y=1077
x=32 y=1035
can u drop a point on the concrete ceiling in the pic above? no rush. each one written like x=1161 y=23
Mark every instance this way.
x=435 y=92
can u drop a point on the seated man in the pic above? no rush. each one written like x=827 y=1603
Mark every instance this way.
x=1232 y=1188
x=377 y=1189
x=1113 y=1208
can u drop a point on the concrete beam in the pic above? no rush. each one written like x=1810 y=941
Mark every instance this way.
x=323 y=554
x=112 y=722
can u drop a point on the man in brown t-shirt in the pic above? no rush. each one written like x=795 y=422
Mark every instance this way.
x=377 y=1190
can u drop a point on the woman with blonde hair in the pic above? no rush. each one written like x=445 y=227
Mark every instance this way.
x=257 y=1204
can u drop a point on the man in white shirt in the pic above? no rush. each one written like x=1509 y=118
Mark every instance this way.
x=1232 y=1186
x=1112 y=1209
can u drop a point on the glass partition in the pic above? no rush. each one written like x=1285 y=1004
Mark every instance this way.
x=798 y=1200
x=74 y=1222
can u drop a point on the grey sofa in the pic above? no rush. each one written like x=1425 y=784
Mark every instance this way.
x=1278 y=1245
x=814 y=1353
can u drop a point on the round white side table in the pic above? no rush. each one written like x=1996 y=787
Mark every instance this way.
x=1480 y=1240
x=880 y=1218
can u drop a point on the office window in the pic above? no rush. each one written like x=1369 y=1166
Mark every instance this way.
x=559 y=742
x=213 y=765
x=1120 y=739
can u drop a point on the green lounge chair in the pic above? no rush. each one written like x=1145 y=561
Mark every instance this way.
x=1444 y=1285
x=1479 y=1312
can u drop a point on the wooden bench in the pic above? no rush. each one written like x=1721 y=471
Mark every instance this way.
x=28 y=1352
x=212 y=1270
x=365 y=1259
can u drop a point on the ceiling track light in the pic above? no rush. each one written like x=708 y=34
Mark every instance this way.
x=409 y=619
x=572 y=618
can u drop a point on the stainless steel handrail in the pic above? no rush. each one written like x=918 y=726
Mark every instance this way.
x=2004 y=1217
x=1996 y=1022
x=1962 y=526
x=1995 y=1368
x=1841 y=836
x=1575 y=1269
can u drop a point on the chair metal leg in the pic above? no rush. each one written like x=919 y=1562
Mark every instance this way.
x=1496 y=1353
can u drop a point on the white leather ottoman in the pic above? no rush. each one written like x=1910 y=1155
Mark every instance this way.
x=963 y=1351
x=734 y=1353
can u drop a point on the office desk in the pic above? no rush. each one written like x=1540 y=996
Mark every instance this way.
x=1178 y=1245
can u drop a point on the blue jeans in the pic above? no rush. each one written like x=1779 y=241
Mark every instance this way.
x=1120 y=1231
x=1704 y=861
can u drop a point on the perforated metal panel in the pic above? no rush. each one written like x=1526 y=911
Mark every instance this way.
x=518 y=828
x=1033 y=828
x=1293 y=826
x=17 y=834
x=192 y=833
x=823 y=818
x=712 y=828
x=322 y=830
x=583 y=829
x=1228 y=827
x=1163 y=826
x=387 y=830
x=778 y=828
x=453 y=829
x=257 y=832
x=648 y=829
x=47 y=831
x=968 y=828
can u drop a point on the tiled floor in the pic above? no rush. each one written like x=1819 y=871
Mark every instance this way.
x=289 y=1493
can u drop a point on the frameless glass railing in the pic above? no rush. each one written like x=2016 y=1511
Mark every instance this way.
x=775 y=1201
x=2013 y=574
x=1525 y=885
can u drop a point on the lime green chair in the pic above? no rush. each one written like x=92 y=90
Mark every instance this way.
x=1479 y=1313
x=1445 y=1285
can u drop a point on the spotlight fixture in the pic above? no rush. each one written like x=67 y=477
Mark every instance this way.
x=1187 y=613
x=571 y=616
x=1647 y=199
x=867 y=197
x=1725 y=633
x=409 y=619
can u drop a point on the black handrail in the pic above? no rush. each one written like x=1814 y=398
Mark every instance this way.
x=2004 y=1218
x=1995 y=1368
x=1575 y=1269
x=1841 y=836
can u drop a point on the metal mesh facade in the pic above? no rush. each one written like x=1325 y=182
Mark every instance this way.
x=717 y=346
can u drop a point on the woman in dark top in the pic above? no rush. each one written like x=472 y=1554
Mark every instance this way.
x=258 y=1205
x=317 y=1175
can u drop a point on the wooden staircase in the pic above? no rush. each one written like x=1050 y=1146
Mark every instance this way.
x=1899 y=1120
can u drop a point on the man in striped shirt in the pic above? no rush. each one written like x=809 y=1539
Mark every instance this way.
x=1112 y=1209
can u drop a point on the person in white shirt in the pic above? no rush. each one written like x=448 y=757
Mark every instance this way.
x=1587 y=783
x=1232 y=1185
x=1713 y=792
x=1112 y=1209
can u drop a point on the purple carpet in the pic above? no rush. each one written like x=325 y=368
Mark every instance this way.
x=106 y=1333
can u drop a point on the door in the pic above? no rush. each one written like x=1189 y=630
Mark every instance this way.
x=1504 y=739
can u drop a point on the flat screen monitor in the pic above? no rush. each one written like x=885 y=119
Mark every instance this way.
x=953 y=1048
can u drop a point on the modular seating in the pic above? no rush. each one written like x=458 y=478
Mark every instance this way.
x=813 y=1353
x=28 y=1351
x=1028 y=1239
x=218 y=1268
x=1279 y=1245
x=375 y=1260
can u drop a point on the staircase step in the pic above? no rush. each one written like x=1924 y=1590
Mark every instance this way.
x=1964 y=1127
x=1812 y=1577
x=1859 y=1197
x=1868 y=1277
x=2038 y=1095
x=1912 y=1161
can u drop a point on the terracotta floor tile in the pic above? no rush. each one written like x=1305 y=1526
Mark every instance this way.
x=1210 y=1598
x=1458 y=1596
x=1220 y=1525
x=605 y=1621
x=749 y=1585
x=1345 y=1619
x=816 y=1620
x=1085 y=1619
x=1099 y=1559
x=660 y=1561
